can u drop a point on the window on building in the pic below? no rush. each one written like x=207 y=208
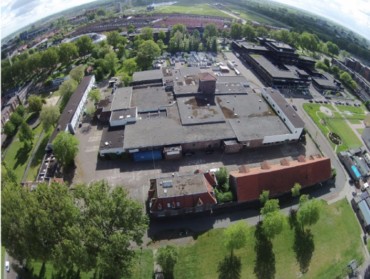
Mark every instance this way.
x=168 y=205
x=178 y=204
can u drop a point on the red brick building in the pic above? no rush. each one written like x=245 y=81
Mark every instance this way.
x=181 y=194
x=248 y=183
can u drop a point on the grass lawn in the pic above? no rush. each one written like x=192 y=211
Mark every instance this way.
x=336 y=124
x=355 y=115
x=191 y=8
x=37 y=159
x=17 y=155
x=336 y=241
x=143 y=268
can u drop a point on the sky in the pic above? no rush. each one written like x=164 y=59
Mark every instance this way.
x=354 y=14
x=16 y=14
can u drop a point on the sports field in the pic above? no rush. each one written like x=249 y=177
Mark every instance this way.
x=328 y=120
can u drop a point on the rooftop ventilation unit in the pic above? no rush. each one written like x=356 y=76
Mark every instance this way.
x=167 y=184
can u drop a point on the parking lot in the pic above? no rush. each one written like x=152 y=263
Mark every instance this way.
x=135 y=176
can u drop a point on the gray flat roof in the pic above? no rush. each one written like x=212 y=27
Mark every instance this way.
x=285 y=108
x=123 y=113
x=281 y=45
x=255 y=128
x=365 y=211
x=147 y=75
x=121 y=98
x=156 y=132
x=273 y=70
x=149 y=99
x=71 y=107
x=112 y=137
x=252 y=46
x=199 y=110
x=325 y=81
x=181 y=185
x=231 y=79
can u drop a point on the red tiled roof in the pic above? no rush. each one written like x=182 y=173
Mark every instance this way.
x=279 y=179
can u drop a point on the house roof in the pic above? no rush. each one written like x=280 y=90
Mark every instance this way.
x=206 y=77
x=112 y=137
x=121 y=98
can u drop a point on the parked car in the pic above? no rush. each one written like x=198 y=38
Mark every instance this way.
x=7 y=266
x=294 y=107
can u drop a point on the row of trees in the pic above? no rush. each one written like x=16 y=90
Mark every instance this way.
x=91 y=228
x=237 y=235
x=343 y=76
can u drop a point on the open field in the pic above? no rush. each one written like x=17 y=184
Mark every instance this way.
x=336 y=241
x=334 y=123
x=355 y=115
x=199 y=9
x=17 y=155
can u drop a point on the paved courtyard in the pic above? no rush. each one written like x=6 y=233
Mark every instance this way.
x=135 y=176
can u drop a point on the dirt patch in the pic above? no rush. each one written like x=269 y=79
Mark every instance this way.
x=326 y=111
x=52 y=101
x=336 y=139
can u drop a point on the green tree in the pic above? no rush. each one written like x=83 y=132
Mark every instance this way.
x=210 y=31
x=94 y=95
x=49 y=116
x=178 y=27
x=65 y=148
x=236 y=31
x=148 y=50
x=162 y=36
x=110 y=222
x=84 y=45
x=66 y=89
x=248 y=32
x=25 y=134
x=222 y=176
x=77 y=73
x=114 y=39
x=52 y=215
x=67 y=53
x=21 y=110
x=15 y=204
x=261 y=31
x=270 y=206
x=296 y=190
x=16 y=119
x=333 y=49
x=7 y=176
x=273 y=224
x=230 y=268
x=264 y=197
x=49 y=58
x=235 y=236
x=111 y=62
x=309 y=211
x=146 y=33
x=167 y=258
x=309 y=41
x=10 y=129
x=34 y=103
x=321 y=65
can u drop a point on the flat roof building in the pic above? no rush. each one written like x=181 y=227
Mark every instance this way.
x=181 y=194
x=70 y=116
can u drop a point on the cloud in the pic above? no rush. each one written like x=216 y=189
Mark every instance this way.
x=354 y=14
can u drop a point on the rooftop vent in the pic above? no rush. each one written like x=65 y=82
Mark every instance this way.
x=166 y=184
x=120 y=117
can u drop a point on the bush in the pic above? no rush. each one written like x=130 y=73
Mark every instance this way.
x=223 y=197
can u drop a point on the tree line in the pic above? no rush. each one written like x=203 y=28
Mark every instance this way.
x=90 y=228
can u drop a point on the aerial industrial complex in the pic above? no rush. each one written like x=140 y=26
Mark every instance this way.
x=183 y=110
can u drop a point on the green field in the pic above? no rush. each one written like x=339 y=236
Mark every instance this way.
x=335 y=123
x=355 y=115
x=17 y=155
x=196 y=9
x=336 y=241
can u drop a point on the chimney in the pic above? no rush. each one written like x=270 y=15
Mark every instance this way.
x=243 y=169
x=284 y=162
x=301 y=159
x=207 y=83
x=265 y=165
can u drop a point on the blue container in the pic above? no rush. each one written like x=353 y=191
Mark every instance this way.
x=142 y=156
x=355 y=171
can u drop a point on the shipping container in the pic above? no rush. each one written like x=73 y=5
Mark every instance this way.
x=147 y=155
